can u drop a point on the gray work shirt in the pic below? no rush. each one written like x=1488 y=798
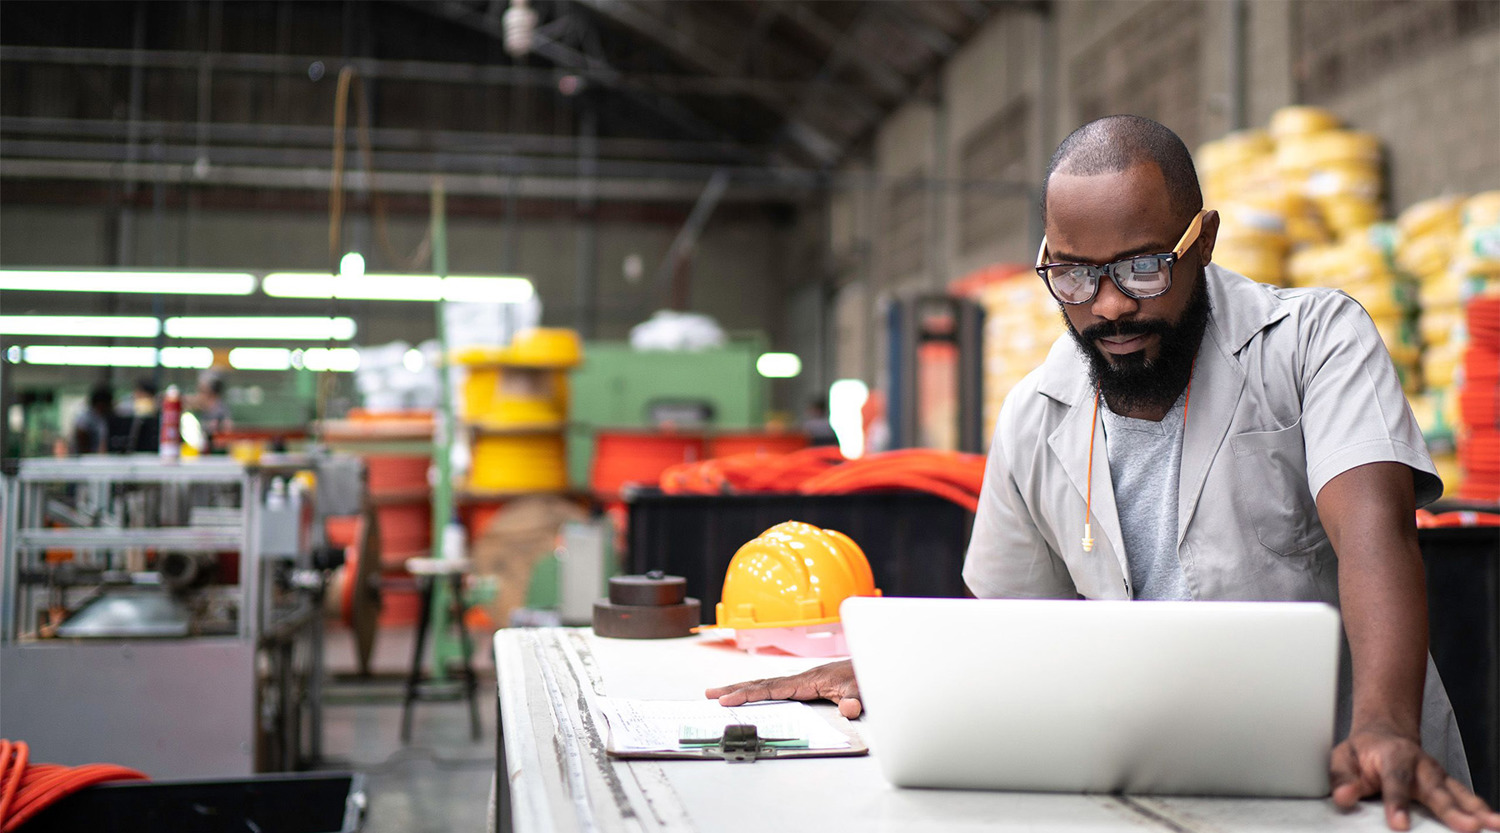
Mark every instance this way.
x=1291 y=388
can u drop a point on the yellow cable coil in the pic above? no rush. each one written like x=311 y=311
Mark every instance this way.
x=1428 y=254
x=1441 y=326
x=1298 y=121
x=1234 y=149
x=1432 y=216
x=1440 y=363
x=1477 y=252
x=1305 y=153
x=1482 y=209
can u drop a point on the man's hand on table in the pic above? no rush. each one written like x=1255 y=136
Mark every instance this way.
x=834 y=681
x=1380 y=761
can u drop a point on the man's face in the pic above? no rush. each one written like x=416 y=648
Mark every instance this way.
x=1140 y=350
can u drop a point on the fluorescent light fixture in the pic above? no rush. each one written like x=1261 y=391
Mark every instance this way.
x=496 y=290
x=260 y=358
x=251 y=327
x=846 y=402
x=122 y=280
x=98 y=326
x=196 y=358
x=352 y=265
x=778 y=365
x=336 y=359
x=382 y=287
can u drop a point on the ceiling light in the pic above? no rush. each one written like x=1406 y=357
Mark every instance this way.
x=260 y=358
x=97 y=326
x=352 y=265
x=778 y=365
x=119 y=280
x=337 y=359
x=489 y=290
x=497 y=289
x=250 y=327
x=90 y=356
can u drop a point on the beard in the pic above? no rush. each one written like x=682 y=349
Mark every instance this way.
x=1132 y=381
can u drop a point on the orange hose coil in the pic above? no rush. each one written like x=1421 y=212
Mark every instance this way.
x=27 y=789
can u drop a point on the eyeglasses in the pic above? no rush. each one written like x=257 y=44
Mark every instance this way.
x=1139 y=277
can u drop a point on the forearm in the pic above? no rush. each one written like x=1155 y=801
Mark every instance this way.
x=1385 y=616
x=1382 y=592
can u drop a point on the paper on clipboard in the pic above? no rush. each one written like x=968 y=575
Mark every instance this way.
x=658 y=725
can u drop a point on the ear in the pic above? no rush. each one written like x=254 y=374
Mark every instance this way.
x=1208 y=234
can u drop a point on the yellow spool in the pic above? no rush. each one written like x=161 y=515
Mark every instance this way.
x=1347 y=214
x=519 y=463
x=1432 y=216
x=1428 y=254
x=1299 y=121
x=1234 y=149
x=1302 y=154
x=1482 y=209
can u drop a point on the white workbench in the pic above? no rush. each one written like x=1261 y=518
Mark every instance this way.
x=560 y=779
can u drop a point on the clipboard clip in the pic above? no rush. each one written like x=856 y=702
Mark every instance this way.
x=741 y=743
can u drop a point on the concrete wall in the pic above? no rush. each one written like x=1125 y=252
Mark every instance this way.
x=1015 y=89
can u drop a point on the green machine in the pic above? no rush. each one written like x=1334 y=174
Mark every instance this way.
x=619 y=387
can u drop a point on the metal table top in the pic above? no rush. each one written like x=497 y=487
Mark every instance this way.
x=560 y=779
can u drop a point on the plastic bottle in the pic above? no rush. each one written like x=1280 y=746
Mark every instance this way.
x=171 y=424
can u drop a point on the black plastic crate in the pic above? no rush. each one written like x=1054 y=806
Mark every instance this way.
x=915 y=542
x=1463 y=612
x=324 y=802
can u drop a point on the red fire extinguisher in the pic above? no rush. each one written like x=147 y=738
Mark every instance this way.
x=170 y=446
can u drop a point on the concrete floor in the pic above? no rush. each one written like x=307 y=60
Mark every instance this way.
x=441 y=781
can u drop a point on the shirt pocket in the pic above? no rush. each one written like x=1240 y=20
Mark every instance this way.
x=1272 y=494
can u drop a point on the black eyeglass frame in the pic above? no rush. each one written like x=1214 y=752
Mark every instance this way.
x=1098 y=272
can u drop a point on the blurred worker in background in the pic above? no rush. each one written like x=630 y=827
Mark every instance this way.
x=209 y=407
x=91 y=429
x=1259 y=447
x=815 y=423
x=141 y=427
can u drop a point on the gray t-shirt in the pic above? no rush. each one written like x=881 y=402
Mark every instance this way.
x=1144 y=461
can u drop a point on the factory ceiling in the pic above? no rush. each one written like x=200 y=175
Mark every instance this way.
x=641 y=99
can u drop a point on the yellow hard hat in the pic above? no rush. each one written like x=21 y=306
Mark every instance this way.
x=794 y=574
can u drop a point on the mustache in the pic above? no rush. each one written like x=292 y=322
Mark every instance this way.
x=1133 y=327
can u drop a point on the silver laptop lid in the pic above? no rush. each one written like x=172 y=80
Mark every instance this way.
x=1201 y=698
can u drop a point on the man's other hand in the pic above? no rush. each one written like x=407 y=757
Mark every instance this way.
x=834 y=681
x=1375 y=761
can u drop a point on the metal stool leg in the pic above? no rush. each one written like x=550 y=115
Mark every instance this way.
x=471 y=683
x=425 y=587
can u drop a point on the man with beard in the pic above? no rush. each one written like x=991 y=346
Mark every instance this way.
x=1252 y=443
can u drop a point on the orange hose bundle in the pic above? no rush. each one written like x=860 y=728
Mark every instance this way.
x=823 y=470
x=947 y=474
x=26 y=789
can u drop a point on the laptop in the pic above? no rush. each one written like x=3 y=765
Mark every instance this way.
x=1183 y=698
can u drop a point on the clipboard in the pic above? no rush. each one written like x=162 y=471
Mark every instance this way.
x=740 y=743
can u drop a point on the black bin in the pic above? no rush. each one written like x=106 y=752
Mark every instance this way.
x=1463 y=612
x=324 y=802
x=915 y=542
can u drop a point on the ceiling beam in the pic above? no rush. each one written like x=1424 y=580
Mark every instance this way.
x=441 y=72
x=892 y=83
x=381 y=138
x=616 y=189
x=687 y=50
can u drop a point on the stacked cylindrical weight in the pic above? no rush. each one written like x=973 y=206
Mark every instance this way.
x=651 y=606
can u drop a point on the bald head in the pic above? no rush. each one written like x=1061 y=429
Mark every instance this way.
x=1116 y=143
